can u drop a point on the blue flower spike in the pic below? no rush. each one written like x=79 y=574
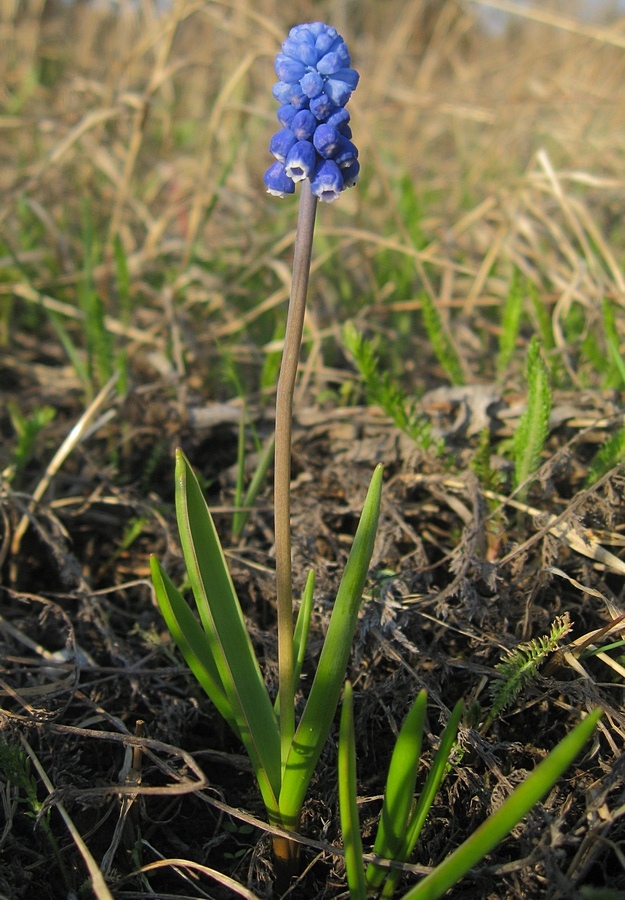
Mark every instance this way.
x=314 y=142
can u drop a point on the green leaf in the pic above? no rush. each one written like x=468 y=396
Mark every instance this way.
x=222 y=620
x=399 y=792
x=192 y=641
x=300 y=635
x=316 y=720
x=433 y=782
x=265 y=458
x=521 y=665
x=610 y=455
x=613 y=339
x=497 y=826
x=348 y=806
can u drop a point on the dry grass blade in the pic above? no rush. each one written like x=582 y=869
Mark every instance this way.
x=586 y=544
x=98 y=882
x=555 y=20
x=182 y=865
x=76 y=435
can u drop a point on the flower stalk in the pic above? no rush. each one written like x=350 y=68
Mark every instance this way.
x=282 y=471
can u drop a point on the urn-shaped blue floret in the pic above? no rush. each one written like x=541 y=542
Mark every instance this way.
x=300 y=161
x=277 y=181
x=327 y=182
x=315 y=82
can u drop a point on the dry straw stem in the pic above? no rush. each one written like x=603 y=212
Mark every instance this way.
x=555 y=20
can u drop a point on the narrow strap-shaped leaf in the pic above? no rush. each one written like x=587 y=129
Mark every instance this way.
x=316 y=720
x=300 y=635
x=302 y=625
x=192 y=642
x=497 y=826
x=222 y=619
x=427 y=795
x=348 y=805
x=400 y=788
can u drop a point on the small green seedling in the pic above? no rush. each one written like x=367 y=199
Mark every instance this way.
x=382 y=391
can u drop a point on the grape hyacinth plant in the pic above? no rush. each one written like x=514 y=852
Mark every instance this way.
x=313 y=146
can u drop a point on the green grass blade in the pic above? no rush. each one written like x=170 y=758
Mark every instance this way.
x=222 y=618
x=497 y=826
x=258 y=479
x=196 y=647
x=399 y=792
x=317 y=718
x=348 y=806
x=510 y=322
x=72 y=351
x=124 y=291
x=382 y=390
x=240 y=517
x=612 y=339
x=533 y=428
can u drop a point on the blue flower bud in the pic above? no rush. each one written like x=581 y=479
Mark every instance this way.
x=282 y=92
x=277 y=181
x=303 y=125
x=297 y=97
x=322 y=107
x=327 y=141
x=288 y=69
x=281 y=143
x=326 y=41
x=303 y=51
x=329 y=64
x=346 y=152
x=286 y=114
x=339 y=119
x=339 y=92
x=312 y=84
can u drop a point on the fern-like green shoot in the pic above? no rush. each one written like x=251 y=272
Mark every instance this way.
x=521 y=665
x=533 y=428
x=510 y=322
x=541 y=317
x=384 y=392
x=610 y=455
x=441 y=341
